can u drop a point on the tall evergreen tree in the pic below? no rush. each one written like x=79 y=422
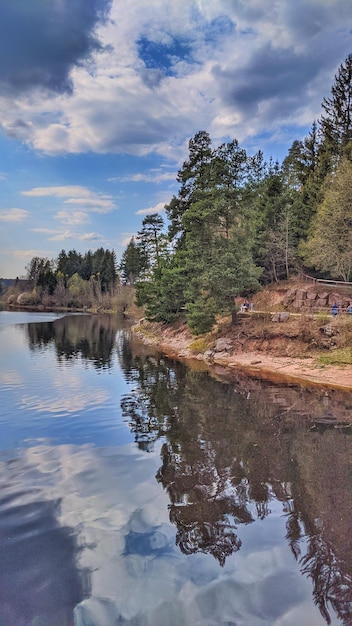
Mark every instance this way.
x=152 y=242
x=212 y=261
x=336 y=120
x=194 y=178
x=133 y=262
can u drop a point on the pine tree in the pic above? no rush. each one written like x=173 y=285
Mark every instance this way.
x=336 y=121
x=153 y=245
x=133 y=262
x=194 y=177
x=152 y=242
x=211 y=235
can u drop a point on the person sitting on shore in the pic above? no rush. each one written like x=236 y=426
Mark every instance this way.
x=335 y=308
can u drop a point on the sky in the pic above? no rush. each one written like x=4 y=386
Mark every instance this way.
x=99 y=99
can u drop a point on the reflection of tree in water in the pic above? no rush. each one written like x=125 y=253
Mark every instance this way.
x=229 y=450
x=318 y=519
x=152 y=407
x=205 y=505
x=207 y=486
x=90 y=337
x=332 y=585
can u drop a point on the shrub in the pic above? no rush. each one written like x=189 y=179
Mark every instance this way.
x=201 y=315
x=199 y=345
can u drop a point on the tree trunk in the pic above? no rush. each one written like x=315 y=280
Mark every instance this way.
x=233 y=311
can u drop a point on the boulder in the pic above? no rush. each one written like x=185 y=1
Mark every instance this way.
x=223 y=345
x=280 y=317
x=24 y=298
x=311 y=295
x=28 y=298
x=297 y=305
x=321 y=303
x=327 y=330
x=334 y=297
x=301 y=294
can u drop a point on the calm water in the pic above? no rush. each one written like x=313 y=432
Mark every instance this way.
x=137 y=491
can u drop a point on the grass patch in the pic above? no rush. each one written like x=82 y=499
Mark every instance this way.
x=146 y=330
x=199 y=345
x=343 y=356
x=322 y=317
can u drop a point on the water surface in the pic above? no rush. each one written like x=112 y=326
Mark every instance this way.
x=137 y=491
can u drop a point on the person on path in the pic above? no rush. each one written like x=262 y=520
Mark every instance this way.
x=335 y=309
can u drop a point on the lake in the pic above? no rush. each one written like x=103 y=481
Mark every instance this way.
x=135 y=490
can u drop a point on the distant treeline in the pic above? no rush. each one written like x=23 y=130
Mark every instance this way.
x=73 y=280
x=100 y=265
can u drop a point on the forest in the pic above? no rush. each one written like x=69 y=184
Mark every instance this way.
x=238 y=222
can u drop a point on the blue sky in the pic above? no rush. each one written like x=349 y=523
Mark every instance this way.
x=99 y=98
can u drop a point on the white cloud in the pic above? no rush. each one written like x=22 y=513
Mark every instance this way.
x=155 y=177
x=13 y=215
x=90 y=237
x=75 y=195
x=29 y=254
x=62 y=191
x=62 y=235
x=126 y=239
x=68 y=234
x=72 y=217
x=158 y=208
x=45 y=231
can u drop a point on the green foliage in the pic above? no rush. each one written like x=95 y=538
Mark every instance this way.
x=201 y=315
x=152 y=242
x=78 y=291
x=133 y=262
x=337 y=116
x=199 y=345
x=329 y=246
x=102 y=262
x=342 y=356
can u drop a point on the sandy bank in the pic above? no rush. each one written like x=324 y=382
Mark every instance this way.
x=176 y=342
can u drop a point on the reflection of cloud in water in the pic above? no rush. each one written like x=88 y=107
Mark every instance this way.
x=10 y=379
x=72 y=402
x=137 y=575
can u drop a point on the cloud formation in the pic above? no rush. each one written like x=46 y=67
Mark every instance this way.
x=13 y=215
x=164 y=70
x=75 y=195
x=158 y=208
x=42 y=41
x=63 y=235
x=153 y=177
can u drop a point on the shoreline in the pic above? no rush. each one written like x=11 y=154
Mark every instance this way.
x=260 y=365
x=175 y=343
